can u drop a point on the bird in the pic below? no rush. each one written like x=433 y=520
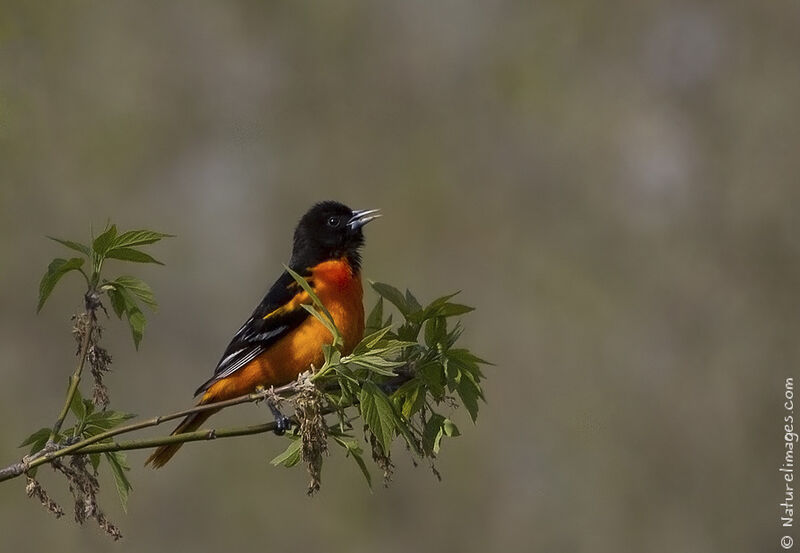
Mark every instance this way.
x=281 y=339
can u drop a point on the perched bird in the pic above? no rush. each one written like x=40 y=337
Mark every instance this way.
x=281 y=339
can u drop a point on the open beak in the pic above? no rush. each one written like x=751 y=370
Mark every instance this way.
x=362 y=217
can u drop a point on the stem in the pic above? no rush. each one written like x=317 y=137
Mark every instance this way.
x=46 y=455
x=91 y=445
x=75 y=379
x=197 y=435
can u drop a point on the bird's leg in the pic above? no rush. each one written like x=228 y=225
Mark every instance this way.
x=282 y=422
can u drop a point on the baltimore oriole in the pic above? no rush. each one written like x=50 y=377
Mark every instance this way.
x=281 y=339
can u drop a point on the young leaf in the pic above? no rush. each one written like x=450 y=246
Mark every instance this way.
x=136 y=321
x=119 y=465
x=138 y=288
x=375 y=318
x=392 y=295
x=435 y=330
x=432 y=434
x=117 y=301
x=131 y=254
x=105 y=420
x=40 y=435
x=377 y=364
x=139 y=238
x=57 y=269
x=466 y=356
x=326 y=322
x=102 y=243
x=412 y=303
x=378 y=414
x=469 y=394
x=303 y=283
x=354 y=450
x=454 y=309
x=369 y=341
x=450 y=429
x=291 y=456
x=77 y=246
x=77 y=406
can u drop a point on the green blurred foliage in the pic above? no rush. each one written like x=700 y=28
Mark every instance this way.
x=613 y=186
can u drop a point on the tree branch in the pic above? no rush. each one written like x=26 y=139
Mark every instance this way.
x=92 y=445
x=47 y=455
x=75 y=379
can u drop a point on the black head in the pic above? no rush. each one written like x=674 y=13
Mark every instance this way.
x=329 y=230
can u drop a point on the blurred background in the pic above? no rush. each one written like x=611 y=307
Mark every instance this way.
x=613 y=185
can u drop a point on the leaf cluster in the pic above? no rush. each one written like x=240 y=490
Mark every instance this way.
x=89 y=423
x=404 y=378
x=124 y=292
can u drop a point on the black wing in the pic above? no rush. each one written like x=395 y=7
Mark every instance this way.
x=277 y=314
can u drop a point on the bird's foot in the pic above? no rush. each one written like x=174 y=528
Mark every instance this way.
x=282 y=422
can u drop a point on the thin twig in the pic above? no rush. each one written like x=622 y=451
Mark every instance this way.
x=91 y=445
x=47 y=456
x=75 y=379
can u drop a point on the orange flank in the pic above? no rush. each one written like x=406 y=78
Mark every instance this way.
x=340 y=291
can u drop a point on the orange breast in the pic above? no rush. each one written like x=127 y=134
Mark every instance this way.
x=339 y=289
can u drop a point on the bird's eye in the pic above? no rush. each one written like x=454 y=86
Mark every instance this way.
x=333 y=222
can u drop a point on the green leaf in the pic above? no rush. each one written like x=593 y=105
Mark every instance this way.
x=452 y=336
x=117 y=301
x=454 y=309
x=40 y=435
x=77 y=406
x=136 y=321
x=375 y=318
x=408 y=331
x=438 y=302
x=412 y=303
x=369 y=341
x=469 y=394
x=432 y=434
x=435 y=330
x=411 y=397
x=377 y=364
x=377 y=412
x=77 y=246
x=291 y=456
x=466 y=356
x=131 y=254
x=139 y=238
x=105 y=420
x=450 y=429
x=432 y=374
x=103 y=242
x=94 y=458
x=138 y=288
x=353 y=449
x=303 y=283
x=118 y=463
x=57 y=269
x=326 y=322
x=392 y=295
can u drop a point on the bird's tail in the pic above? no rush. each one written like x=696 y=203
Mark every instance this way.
x=164 y=453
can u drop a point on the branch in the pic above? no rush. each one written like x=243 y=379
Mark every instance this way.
x=91 y=445
x=47 y=455
x=75 y=379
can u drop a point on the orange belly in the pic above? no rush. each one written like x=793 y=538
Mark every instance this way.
x=340 y=291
